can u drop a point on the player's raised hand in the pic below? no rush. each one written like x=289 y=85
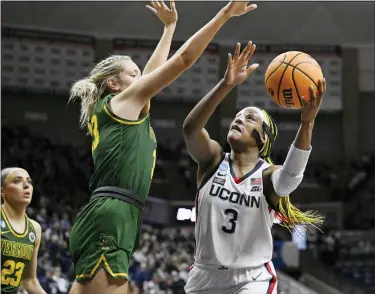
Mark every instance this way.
x=237 y=8
x=167 y=15
x=237 y=69
x=310 y=108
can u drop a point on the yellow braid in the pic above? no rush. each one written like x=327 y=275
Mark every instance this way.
x=290 y=216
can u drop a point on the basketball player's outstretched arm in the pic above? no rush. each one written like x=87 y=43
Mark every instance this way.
x=131 y=101
x=30 y=281
x=205 y=151
x=285 y=179
x=168 y=16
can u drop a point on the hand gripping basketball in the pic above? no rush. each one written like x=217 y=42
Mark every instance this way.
x=289 y=76
x=237 y=70
x=311 y=107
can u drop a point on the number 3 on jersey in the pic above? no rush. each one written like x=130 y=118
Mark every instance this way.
x=231 y=226
x=94 y=132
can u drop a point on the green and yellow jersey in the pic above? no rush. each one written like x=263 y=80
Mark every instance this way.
x=124 y=151
x=16 y=253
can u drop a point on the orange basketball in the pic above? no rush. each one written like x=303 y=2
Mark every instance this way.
x=289 y=76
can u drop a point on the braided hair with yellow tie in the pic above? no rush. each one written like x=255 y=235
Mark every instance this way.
x=289 y=215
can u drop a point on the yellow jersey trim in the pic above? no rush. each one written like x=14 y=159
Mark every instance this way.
x=10 y=227
x=124 y=121
x=31 y=224
x=101 y=260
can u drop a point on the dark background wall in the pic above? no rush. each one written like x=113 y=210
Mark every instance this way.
x=275 y=22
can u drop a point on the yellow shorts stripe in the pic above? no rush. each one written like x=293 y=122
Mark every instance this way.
x=101 y=260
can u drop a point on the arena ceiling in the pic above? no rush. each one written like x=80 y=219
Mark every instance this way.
x=275 y=22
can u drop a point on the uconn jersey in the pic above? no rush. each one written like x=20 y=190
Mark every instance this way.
x=233 y=224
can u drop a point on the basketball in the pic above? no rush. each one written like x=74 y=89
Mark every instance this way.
x=289 y=76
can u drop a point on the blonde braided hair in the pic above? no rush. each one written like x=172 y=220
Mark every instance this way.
x=91 y=89
x=289 y=215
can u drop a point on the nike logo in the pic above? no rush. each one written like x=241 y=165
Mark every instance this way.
x=221 y=175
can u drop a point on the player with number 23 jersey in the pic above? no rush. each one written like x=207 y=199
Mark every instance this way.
x=20 y=236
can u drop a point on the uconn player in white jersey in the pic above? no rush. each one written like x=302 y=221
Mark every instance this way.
x=240 y=192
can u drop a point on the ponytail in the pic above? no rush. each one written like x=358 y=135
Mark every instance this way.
x=91 y=89
x=89 y=94
x=289 y=215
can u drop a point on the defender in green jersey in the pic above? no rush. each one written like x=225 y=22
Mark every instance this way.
x=106 y=231
x=20 y=236
x=115 y=102
x=124 y=152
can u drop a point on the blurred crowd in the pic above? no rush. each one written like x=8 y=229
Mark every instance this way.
x=60 y=174
x=161 y=265
x=350 y=254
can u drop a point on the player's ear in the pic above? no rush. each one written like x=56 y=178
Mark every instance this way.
x=113 y=85
x=2 y=192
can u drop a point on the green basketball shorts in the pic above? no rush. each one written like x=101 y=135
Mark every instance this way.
x=104 y=235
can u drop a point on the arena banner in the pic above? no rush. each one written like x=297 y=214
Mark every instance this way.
x=253 y=92
x=39 y=61
x=191 y=85
x=53 y=36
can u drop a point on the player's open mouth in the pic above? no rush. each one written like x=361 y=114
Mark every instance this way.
x=237 y=128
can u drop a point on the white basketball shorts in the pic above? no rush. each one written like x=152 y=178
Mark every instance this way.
x=218 y=279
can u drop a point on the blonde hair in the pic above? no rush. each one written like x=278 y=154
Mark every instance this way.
x=91 y=89
x=289 y=215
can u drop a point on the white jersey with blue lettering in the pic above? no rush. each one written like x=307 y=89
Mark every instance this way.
x=234 y=220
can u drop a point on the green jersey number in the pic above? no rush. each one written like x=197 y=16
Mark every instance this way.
x=93 y=129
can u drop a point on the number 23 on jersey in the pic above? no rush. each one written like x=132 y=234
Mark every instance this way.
x=11 y=273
